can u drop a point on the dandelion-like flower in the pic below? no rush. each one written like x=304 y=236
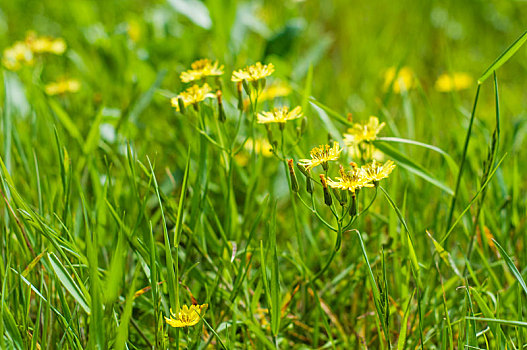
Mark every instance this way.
x=16 y=56
x=351 y=180
x=187 y=316
x=62 y=86
x=363 y=132
x=404 y=80
x=253 y=73
x=321 y=155
x=375 y=171
x=193 y=95
x=453 y=82
x=45 y=44
x=280 y=115
x=200 y=69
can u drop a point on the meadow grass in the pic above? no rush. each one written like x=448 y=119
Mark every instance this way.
x=134 y=215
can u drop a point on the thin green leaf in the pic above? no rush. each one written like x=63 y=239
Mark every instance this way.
x=504 y=57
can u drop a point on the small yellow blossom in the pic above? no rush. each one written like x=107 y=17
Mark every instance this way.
x=363 y=132
x=453 y=82
x=45 y=44
x=351 y=180
x=403 y=82
x=16 y=56
x=62 y=86
x=253 y=73
x=322 y=155
x=193 y=95
x=280 y=115
x=376 y=171
x=186 y=316
x=201 y=69
x=134 y=30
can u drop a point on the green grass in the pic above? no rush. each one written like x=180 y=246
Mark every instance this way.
x=115 y=208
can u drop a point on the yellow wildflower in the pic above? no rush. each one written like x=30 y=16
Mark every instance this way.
x=280 y=115
x=376 y=171
x=351 y=180
x=403 y=82
x=363 y=132
x=322 y=155
x=453 y=82
x=193 y=95
x=134 y=30
x=200 y=69
x=186 y=316
x=62 y=86
x=45 y=44
x=17 y=55
x=253 y=73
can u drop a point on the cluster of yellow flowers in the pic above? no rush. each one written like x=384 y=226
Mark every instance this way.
x=62 y=86
x=404 y=79
x=203 y=68
x=366 y=176
x=349 y=180
x=23 y=52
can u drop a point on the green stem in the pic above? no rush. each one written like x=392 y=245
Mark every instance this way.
x=463 y=159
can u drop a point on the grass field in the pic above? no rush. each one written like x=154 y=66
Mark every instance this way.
x=149 y=200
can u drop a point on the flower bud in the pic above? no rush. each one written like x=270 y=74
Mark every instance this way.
x=240 y=95
x=181 y=105
x=327 y=196
x=309 y=184
x=353 y=205
x=246 y=87
x=221 y=111
x=294 y=182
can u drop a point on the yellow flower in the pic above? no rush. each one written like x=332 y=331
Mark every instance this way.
x=453 y=82
x=322 y=155
x=17 y=55
x=351 y=180
x=376 y=171
x=45 y=44
x=253 y=73
x=201 y=69
x=403 y=82
x=363 y=132
x=280 y=115
x=186 y=316
x=193 y=95
x=62 y=86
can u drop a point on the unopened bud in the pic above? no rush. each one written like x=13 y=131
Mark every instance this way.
x=327 y=196
x=246 y=87
x=353 y=205
x=181 y=105
x=240 y=95
x=309 y=184
x=269 y=133
x=303 y=126
x=294 y=182
x=221 y=111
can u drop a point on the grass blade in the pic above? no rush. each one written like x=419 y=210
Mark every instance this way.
x=504 y=57
x=511 y=266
